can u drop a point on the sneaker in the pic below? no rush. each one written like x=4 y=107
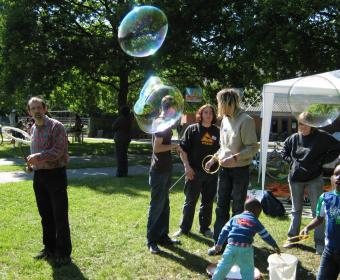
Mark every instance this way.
x=154 y=249
x=212 y=251
x=169 y=242
x=61 y=261
x=208 y=233
x=290 y=242
x=319 y=249
x=43 y=254
x=179 y=233
x=288 y=245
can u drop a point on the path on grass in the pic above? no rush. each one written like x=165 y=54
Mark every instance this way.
x=16 y=176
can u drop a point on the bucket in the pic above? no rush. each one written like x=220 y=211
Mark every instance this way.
x=282 y=267
x=234 y=273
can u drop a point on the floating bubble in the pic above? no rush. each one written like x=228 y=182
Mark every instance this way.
x=158 y=107
x=308 y=104
x=142 y=31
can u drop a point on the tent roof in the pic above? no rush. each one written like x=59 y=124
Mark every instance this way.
x=277 y=108
x=281 y=89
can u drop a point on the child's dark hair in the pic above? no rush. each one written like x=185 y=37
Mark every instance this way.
x=253 y=205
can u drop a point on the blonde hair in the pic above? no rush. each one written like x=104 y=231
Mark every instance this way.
x=227 y=98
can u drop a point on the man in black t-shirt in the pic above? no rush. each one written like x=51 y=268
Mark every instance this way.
x=199 y=140
x=160 y=182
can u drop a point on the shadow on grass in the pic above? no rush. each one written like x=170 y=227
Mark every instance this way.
x=135 y=185
x=77 y=149
x=260 y=256
x=190 y=261
x=201 y=239
x=305 y=248
x=303 y=273
x=70 y=271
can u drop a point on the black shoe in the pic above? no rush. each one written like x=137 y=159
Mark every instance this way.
x=207 y=233
x=154 y=249
x=169 y=242
x=43 y=254
x=60 y=261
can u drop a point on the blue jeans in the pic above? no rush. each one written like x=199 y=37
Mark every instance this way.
x=329 y=265
x=314 y=188
x=232 y=183
x=159 y=211
x=204 y=184
x=243 y=257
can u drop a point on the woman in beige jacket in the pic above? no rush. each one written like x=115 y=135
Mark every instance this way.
x=238 y=145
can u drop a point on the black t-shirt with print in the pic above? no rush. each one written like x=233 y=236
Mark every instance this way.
x=199 y=141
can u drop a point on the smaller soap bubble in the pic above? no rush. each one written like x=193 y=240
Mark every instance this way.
x=142 y=31
x=158 y=107
x=314 y=101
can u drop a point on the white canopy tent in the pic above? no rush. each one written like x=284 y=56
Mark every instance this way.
x=279 y=92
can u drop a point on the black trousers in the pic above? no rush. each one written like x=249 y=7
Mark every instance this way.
x=206 y=185
x=232 y=185
x=122 y=159
x=50 y=188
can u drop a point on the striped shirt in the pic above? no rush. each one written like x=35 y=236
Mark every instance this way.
x=50 y=141
x=240 y=231
x=329 y=206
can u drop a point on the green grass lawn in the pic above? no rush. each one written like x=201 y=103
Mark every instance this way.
x=106 y=243
x=91 y=146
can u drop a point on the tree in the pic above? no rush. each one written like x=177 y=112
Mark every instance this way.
x=59 y=48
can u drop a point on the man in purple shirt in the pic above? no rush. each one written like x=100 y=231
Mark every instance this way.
x=48 y=159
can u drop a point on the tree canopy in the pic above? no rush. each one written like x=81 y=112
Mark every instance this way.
x=68 y=50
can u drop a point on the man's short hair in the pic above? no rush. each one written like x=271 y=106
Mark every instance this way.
x=167 y=102
x=36 y=99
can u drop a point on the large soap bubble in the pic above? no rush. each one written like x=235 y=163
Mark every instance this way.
x=315 y=101
x=159 y=106
x=142 y=31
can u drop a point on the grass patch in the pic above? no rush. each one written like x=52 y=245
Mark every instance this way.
x=98 y=153
x=90 y=146
x=106 y=243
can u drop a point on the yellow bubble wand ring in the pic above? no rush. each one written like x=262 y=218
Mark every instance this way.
x=297 y=239
x=205 y=160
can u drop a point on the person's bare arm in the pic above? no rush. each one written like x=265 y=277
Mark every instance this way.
x=189 y=172
x=312 y=225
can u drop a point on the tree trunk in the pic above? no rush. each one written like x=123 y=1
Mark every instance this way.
x=123 y=88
